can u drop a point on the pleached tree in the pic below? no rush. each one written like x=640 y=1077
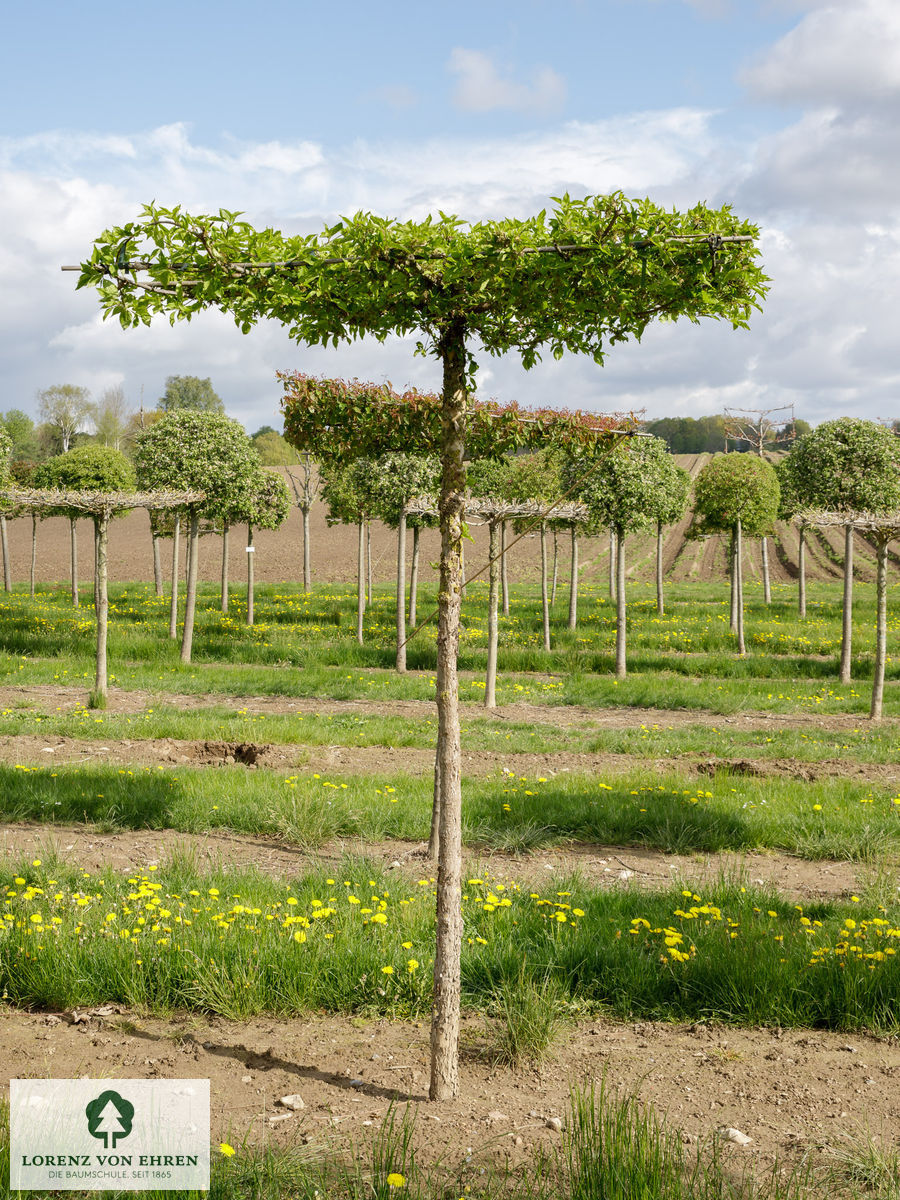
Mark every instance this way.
x=587 y=275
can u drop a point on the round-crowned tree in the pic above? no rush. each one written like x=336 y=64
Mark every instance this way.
x=848 y=466
x=266 y=505
x=667 y=505
x=204 y=452
x=736 y=494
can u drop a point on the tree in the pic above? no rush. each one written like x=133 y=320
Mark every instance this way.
x=346 y=490
x=265 y=505
x=847 y=466
x=667 y=503
x=203 y=452
x=589 y=274
x=736 y=494
x=187 y=391
x=99 y=471
x=273 y=450
x=5 y=455
x=66 y=409
x=790 y=506
x=20 y=429
x=111 y=418
x=305 y=484
x=536 y=477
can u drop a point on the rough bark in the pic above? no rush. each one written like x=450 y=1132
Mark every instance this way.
x=847 y=616
x=801 y=572
x=555 y=572
x=369 y=562
x=766 y=578
x=573 y=582
x=621 y=614
x=190 y=595
x=414 y=577
x=360 y=581
x=401 y=592
x=74 y=543
x=224 y=584
x=101 y=527
x=307 y=570
x=504 y=573
x=732 y=572
x=251 y=580
x=173 y=599
x=880 y=629
x=545 y=605
x=739 y=588
x=34 y=524
x=157 y=567
x=4 y=541
x=612 y=564
x=490 y=686
x=444 y=1084
x=96 y=565
x=660 y=603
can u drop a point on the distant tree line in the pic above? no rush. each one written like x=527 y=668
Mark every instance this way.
x=702 y=435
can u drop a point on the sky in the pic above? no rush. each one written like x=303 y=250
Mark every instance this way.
x=296 y=113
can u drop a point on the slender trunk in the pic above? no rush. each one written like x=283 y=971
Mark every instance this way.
x=434 y=837
x=555 y=568
x=190 y=596
x=573 y=582
x=360 y=581
x=307 y=570
x=251 y=555
x=369 y=559
x=224 y=588
x=173 y=599
x=847 y=622
x=612 y=563
x=767 y=583
x=157 y=567
x=444 y=1083
x=74 y=541
x=4 y=542
x=739 y=590
x=490 y=686
x=414 y=577
x=504 y=574
x=462 y=571
x=401 y=591
x=880 y=628
x=621 y=617
x=732 y=571
x=660 y=604
x=801 y=573
x=96 y=565
x=101 y=528
x=34 y=523
x=545 y=607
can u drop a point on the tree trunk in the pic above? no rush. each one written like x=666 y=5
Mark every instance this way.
x=462 y=571
x=74 y=541
x=224 y=586
x=504 y=574
x=880 y=629
x=96 y=565
x=444 y=1083
x=414 y=577
x=157 y=567
x=360 y=581
x=101 y=529
x=34 y=524
x=190 y=597
x=739 y=589
x=490 y=686
x=173 y=599
x=434 y=837
x=4 y=542
x=847 y=622
x=621 y=615
x=251 y=582
x=801 y=572
x=401 y=592
x=369 y=559
x=660 y=604
x=573 y=582
x=612 y=564
x=555 y=568
x=545 y=607
x=732 y=559
x=767 y=582
x=307 y=570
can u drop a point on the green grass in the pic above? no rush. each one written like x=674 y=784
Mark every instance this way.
x=671 y=812
x=236 y=943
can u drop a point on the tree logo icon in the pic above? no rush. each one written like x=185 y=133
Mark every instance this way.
x=109 y=1117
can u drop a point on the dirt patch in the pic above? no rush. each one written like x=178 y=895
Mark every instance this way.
x=786 y=1090
x=597 y=865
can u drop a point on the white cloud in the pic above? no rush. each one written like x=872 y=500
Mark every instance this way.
x=480 y=86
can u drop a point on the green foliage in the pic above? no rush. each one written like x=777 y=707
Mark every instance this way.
x=5 y=452
x=273 y=450
x=65 y=408
x=690 y=435
x=732 y=488
x=395 y=479
x=198 y=451
x=267 y=504
x=346 y=491
x=671 y=489
x=189 y=392
x=621 y=486
x=19 y=427
x=89 y=468
x=848 y=465
x=621 y=264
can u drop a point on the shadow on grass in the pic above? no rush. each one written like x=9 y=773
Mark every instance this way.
x=139 y=801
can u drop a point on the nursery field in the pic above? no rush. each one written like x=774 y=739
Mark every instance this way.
x=681 y=912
